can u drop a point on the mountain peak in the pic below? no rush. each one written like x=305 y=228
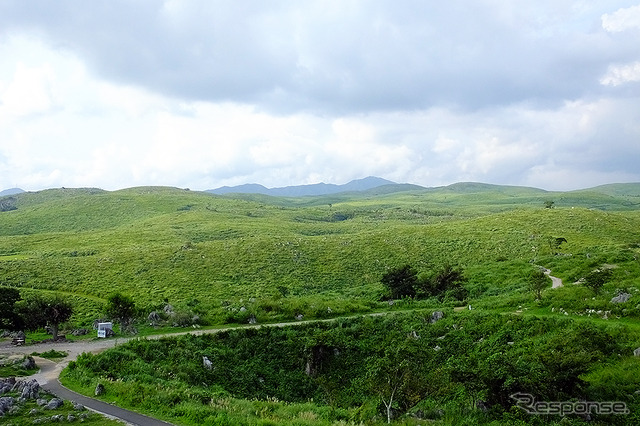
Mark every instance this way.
x=364 y=184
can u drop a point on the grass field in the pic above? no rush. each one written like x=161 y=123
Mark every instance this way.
x=315 y=256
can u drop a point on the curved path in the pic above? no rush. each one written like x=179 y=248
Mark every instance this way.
x=555 y=281
x=50 y=371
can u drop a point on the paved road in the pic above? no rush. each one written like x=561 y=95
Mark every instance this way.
x=47 y=377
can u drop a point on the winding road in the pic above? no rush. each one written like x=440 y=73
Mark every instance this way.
x=48 y=376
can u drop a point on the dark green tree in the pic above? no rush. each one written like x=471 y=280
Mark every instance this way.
x=401 y=282
x=448 y=282
x=537 y=282
x=121 y=308
x=595 y=280
x=10 y=319
x=39 y=311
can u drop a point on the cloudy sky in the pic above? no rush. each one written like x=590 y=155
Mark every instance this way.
x=202 y=93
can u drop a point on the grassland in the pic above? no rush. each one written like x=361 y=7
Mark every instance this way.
x=232 y=258
x=280 y=257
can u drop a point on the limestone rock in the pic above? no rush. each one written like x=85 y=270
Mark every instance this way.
x=55 y=403
x=206 y=363
x=99 y=389
x=621 y=298
x=436 y=316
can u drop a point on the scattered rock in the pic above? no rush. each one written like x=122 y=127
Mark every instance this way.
x=168 y=309
x=6 y=402
x=154 y=318
x=55 y=403
x=636 y=352
x=28 y=390
x=80 y=332
x=206 y=363
x=71 y=417
x=621 y=298
x=436 y=316
x=482 y=406
x=252 y=319
x=33 y=411
x=99 y=390
x=299 y=317
x=414 y=335
x=77 y=407
x=42 y=402
x=29 y=363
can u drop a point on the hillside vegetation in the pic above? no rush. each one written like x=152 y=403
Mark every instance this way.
x=452 y=357
x=229 y=257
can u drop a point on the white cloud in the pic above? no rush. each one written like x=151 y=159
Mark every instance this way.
x=620 y=74
x=621 y=20
x=202 y=94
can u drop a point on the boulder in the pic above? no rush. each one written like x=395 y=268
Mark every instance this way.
x=436 y=316
x=41 y=402
x=621 y=298
x=77 y=407
x=29 y=363
x=6 y=402
x=206 y=363
x=636 y=352
x=31 y=390
x=154 y=317
x=55 y=403
x=99 y=389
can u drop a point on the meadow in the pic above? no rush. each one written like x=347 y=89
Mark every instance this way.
x=230 y=257
x=239 y=258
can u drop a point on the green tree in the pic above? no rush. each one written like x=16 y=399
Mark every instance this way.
x=401 y=282
x=537 y=282
x=595 y=280
x=448 y=282
x=10 y=319
x=397 y=376
x=121 y=308
x=39 y=312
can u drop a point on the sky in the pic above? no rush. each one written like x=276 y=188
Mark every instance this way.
x=204 y=93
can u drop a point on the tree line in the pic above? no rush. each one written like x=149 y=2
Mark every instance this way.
x=38 y=311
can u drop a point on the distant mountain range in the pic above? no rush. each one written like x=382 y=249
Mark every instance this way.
x=307 y=190
x=12 y=191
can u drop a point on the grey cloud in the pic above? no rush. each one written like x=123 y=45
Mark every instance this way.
x=336 y=57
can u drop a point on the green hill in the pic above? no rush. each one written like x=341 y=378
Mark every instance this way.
x=280 y=257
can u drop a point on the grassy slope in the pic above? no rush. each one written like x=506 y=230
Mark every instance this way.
x=157 y=243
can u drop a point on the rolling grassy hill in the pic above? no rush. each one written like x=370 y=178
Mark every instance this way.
x=278 y=257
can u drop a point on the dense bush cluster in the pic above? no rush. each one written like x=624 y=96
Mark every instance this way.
x=445 y=284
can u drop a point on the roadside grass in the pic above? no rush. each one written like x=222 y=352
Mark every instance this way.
x=29 y=413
